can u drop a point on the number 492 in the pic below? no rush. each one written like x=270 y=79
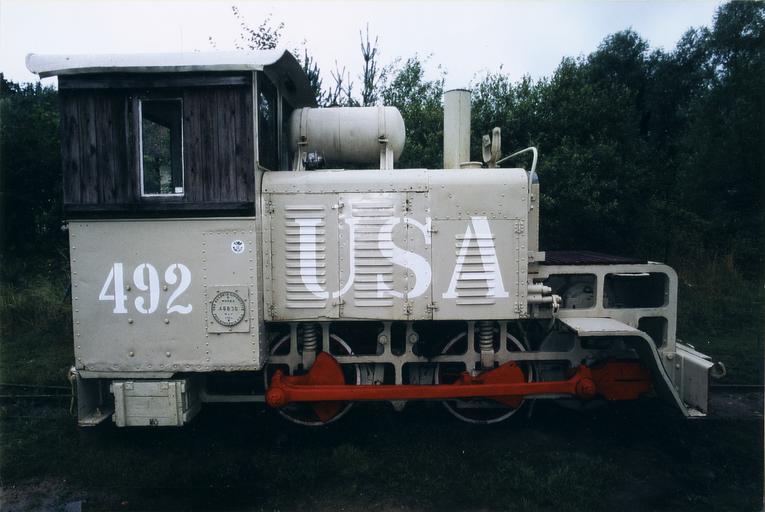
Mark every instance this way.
x=146 y=279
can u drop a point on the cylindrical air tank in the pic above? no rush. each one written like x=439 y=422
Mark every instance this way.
x=351 y=135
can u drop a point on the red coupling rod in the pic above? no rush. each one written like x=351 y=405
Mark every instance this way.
x=506 y=384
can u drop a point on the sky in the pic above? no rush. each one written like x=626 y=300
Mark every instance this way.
x=464 y=39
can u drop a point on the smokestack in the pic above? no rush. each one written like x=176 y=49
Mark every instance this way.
x=456 y=128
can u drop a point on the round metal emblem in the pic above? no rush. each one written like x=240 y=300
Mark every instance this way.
x=237 y=247
x=228 y=309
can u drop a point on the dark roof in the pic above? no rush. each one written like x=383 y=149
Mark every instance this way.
x=588 y=258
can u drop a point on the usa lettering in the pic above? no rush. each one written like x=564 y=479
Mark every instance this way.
x=477 y=235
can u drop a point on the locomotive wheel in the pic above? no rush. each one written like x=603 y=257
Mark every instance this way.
x=476 y=410
x=303 y=413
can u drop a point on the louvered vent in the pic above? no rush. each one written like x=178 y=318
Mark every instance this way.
x=373 y=250
x=476 y=282
x=305 y=264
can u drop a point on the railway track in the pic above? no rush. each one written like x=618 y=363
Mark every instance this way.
x=727 y=401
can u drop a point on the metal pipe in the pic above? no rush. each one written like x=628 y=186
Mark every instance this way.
x=533 y=160
x=456 y=128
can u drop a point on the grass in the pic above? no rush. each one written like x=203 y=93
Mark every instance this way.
x=638 y=457
x=720 y=313
x=35 y=333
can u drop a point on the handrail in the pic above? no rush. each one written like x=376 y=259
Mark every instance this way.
x=533 y=161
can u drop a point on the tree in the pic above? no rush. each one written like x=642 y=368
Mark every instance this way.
x=265 y=37
x=419 y=101
x=31 y=183
x=371 y=75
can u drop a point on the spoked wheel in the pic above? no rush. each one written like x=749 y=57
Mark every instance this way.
x=305 y=413
x=477 y=410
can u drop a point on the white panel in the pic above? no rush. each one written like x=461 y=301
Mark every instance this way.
x=303 y=235
x=372 y=236
x=477 y=275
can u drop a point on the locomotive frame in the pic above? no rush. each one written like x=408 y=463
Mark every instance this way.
x=245 y=275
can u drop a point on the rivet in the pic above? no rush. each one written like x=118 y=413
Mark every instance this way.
x=131 y=353
x=167 y=354
x=164 y=287
x=167 y=321
x=130 y=320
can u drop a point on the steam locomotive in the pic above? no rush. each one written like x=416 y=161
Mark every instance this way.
x=220 y=254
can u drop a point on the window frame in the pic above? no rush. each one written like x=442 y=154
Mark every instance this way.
x=259 y=89
x=140 y=148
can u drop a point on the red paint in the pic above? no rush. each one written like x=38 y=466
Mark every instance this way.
x=324 y=386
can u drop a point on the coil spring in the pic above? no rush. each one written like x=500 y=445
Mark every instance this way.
x=486 y=335
x=310 y=337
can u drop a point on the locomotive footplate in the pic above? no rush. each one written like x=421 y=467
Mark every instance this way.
x=325 y=387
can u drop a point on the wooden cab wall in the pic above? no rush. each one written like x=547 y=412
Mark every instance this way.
x=101 y=144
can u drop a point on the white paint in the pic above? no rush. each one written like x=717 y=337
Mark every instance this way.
x=480 y=233
x=152 y=288
x=119 y=297
x=116 y=278
x=477 y=234
x=170 y=278
x=351 y=222
x=408 y=259
x=308 y=256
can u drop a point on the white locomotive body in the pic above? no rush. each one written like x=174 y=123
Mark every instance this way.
x=215 y=259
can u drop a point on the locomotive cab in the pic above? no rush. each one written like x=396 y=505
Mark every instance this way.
x=163 y=156
x=201 y=274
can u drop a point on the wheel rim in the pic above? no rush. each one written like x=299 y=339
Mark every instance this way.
x=302 y=413
x=478 y=411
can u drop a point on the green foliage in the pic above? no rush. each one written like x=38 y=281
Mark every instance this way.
x=651 y=153
x=372 y=74
x=35 y=330
x=30 y=181
x=419 y=101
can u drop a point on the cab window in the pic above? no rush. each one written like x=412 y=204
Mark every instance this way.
x=268 y=126
x=161 y=144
